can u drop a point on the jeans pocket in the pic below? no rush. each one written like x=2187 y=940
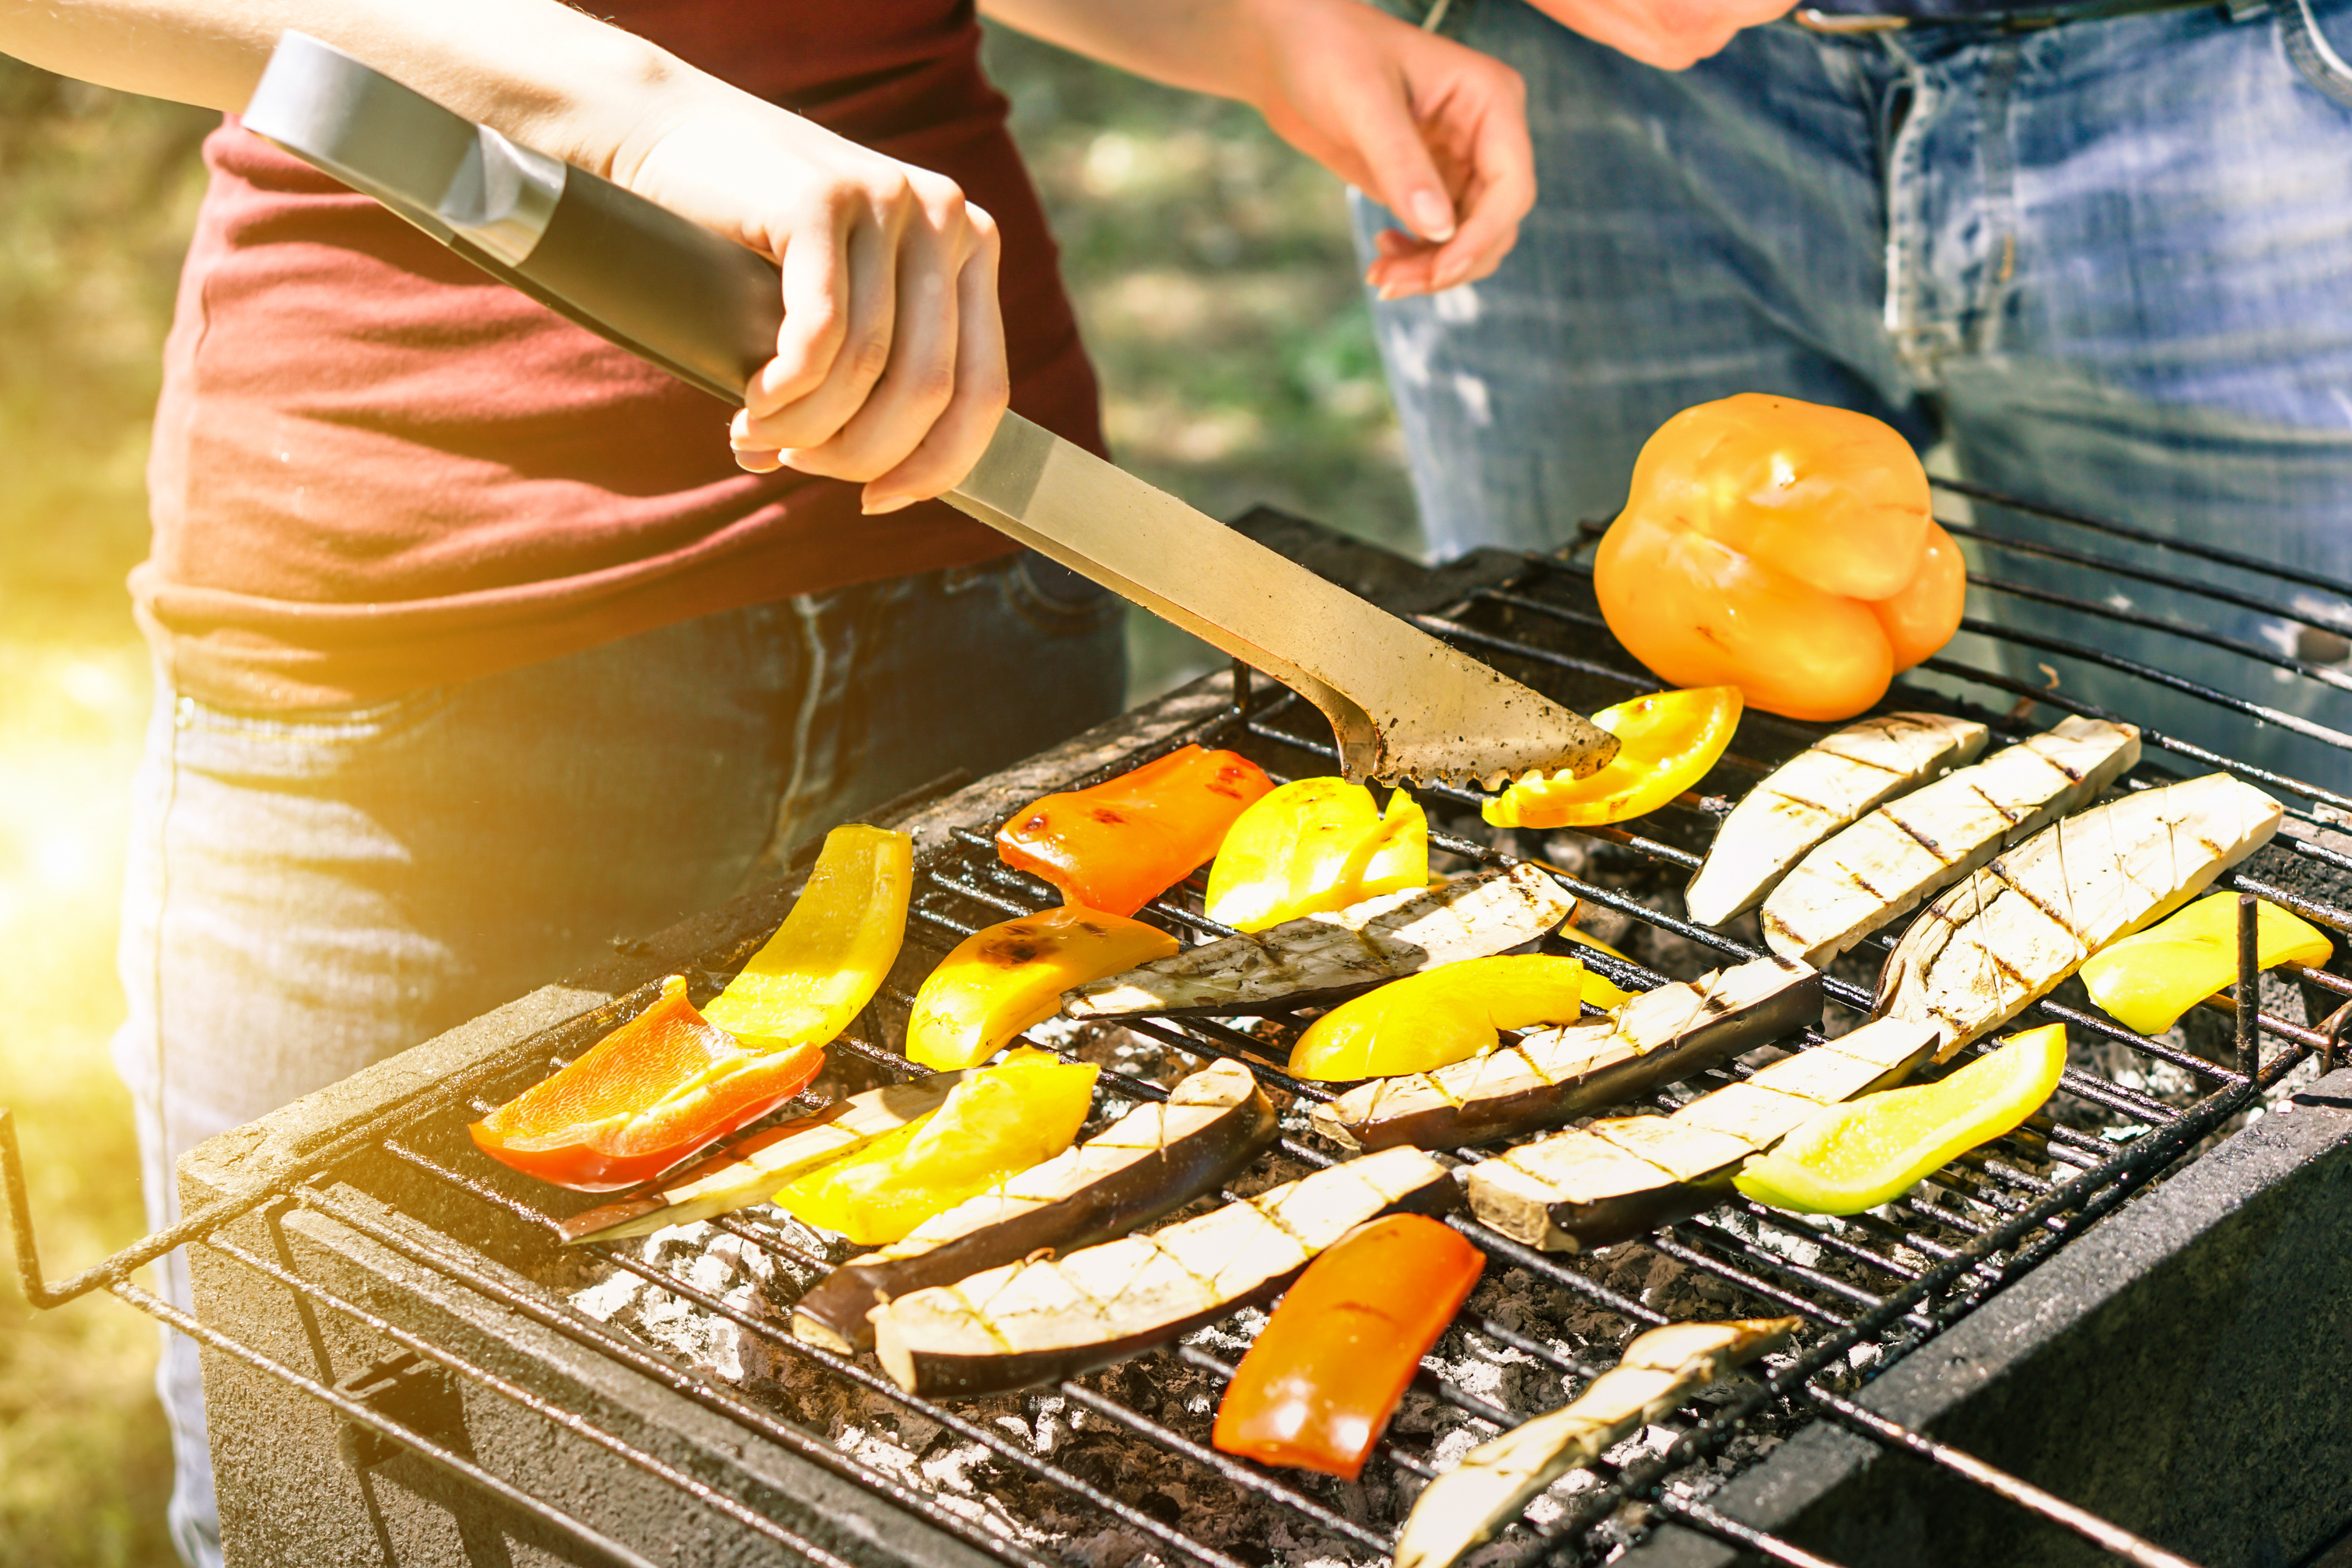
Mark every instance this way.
x=2309 y=30
x=324 y=726
x=1062 y=612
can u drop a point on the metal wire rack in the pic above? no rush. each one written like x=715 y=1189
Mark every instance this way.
x=1870 y=1290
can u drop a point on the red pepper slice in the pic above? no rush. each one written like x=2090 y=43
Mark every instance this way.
x=1317 y=1390
x=1117 y=847
x=642 y=1099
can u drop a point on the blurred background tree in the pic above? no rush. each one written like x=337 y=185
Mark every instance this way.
x=1213 y=277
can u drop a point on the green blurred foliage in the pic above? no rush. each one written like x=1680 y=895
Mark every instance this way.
x=98 y=190
x=1214 y=276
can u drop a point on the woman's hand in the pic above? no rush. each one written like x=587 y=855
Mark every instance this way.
x=1673 y=35
x=890 y=368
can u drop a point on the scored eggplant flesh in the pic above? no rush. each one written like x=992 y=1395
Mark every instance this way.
x=1326 y=957
x=1155 y=1159
x=1552 y=1076
x=1047 y=1319
x=1911 y=847
x=1658 y=1373
x=749 y=1170
x=1816 y=792
x=2005 y=938
x=1619 y=1177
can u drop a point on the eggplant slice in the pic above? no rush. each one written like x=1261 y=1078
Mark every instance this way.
x=1910 y=849
x=1817 y=791
x=1048 y=1318
x=2006 y=937
x=1326 y=957
x=1553 y=1075
x=1658 y=1373
x=749 y=1170
x=1154 y=1159
x=1617 y=1178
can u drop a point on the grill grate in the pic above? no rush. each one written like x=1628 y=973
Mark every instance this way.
x=1871 y=1291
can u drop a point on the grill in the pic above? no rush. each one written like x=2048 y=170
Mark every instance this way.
x=2124 y=1301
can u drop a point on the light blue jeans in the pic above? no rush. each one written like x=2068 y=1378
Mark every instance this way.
x=2110 y=261
x=311 y=892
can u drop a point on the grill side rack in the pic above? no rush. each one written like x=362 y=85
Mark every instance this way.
x=397 y=1368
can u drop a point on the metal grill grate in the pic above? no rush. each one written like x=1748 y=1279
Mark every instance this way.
x=1870 y=1290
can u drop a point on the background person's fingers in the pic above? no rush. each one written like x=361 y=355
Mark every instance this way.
x=983 y=388
x=1377 y=117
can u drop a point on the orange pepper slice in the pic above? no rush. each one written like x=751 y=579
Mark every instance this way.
x=1126 y=841
x=642 y=1099
x=1319 y=1386
x=1669 y=741
x=1004 y=977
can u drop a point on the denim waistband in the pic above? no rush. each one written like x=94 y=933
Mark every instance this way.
x=1853 y=17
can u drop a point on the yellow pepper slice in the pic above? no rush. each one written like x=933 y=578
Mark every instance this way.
x=1669 y=741
x=1314 y=845
x=1445 y=1014
x=1599 y=990
x=827 y=959
x=996 y=1123
x=1005 y=978
x=2150 y=980
x=1871 y=1150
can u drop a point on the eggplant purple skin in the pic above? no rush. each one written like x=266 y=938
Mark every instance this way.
x=1127 y=1199
x=966 y=1377
x=1622 y=1218
x=1480 y=1121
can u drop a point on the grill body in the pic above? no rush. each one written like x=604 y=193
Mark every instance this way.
x=2153 y=1352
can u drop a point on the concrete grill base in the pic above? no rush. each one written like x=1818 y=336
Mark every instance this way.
x=2178 y=1371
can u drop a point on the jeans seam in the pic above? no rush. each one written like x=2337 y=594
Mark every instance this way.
x=2309 y=50
x=2000 y=266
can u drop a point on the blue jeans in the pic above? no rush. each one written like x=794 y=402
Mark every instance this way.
x=2110 y=261
x=310 y=892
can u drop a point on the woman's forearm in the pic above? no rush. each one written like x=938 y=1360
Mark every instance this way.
x=550 y=77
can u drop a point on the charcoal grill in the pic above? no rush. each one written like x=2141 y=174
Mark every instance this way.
x=2107 y=1335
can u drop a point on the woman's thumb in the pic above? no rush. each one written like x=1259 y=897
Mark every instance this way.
x=1391 y=145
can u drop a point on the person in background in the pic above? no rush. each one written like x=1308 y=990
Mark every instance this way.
x=2099 y=247
x=480 y=644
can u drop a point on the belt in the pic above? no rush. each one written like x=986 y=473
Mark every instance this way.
x=2023 y=19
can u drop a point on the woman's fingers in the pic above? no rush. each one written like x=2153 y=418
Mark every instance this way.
x=870 y=322
x=983 y=387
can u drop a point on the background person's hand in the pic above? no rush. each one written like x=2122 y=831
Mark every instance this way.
x=1435 y=132
x=890 y=368
x=1673 y=35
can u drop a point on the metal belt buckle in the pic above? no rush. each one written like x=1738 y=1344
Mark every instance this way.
x=1836 y=24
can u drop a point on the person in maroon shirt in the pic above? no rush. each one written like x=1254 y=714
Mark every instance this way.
x=479 y=643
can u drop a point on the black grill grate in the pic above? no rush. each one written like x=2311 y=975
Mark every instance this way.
x=1870 y=1290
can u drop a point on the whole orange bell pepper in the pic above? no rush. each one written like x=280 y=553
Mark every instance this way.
x=642 y=1099
x=673 y=1079
x=1784 y=548
x=1004 y=977
x=1126 y=841
x=1317 y=1390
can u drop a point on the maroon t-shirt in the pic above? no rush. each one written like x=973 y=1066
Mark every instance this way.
x=375 y=468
